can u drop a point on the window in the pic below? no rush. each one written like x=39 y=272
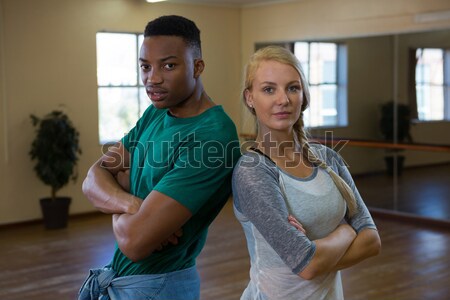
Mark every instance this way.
x=325 y=67
x=121 y=95
x=433 y=84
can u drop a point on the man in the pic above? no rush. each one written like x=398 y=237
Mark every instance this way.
x=179 y=158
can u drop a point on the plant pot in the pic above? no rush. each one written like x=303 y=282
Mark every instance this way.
x=391 y=160
x=56 y=212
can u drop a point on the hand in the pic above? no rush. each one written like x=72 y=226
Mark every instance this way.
x=123 y=179
x=133 y=205
x=293 y=221
x=173 y=239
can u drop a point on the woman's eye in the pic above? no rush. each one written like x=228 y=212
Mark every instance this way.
x=268 y=90
x=294 y=89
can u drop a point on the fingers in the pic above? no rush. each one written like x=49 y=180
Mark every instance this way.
x=173 y=239
x=162 y=245
x=179 y=232
x=123 y=179
x=293 y=221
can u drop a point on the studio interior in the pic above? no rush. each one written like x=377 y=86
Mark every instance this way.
x=380 y=96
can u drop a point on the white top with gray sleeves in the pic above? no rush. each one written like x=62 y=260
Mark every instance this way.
x=264 y=196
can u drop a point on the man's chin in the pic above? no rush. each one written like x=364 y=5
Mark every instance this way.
x=160 y=104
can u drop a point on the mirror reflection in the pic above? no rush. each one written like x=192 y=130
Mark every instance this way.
x=383 y=102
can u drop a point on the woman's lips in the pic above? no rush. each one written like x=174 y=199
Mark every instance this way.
x=282 y=115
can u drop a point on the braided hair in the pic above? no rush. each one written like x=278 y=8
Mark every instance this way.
x=284 y=56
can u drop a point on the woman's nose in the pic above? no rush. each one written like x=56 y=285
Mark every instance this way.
x=283 y=99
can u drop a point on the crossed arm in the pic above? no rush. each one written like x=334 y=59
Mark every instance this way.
x=258 y=196
x=341 y=249
x=140 y=227
x=366 y=244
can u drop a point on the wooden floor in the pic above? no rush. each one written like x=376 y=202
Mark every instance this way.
x=37 y=264
x=422 y=191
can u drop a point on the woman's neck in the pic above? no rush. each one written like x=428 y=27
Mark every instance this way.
x=285 y=152
x=276 y=144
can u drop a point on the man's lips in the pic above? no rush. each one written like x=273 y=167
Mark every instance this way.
x=156 y=94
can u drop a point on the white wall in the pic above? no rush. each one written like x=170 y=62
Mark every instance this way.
x=332 y=19
x=50 y=60
x=3 y=128
x=341 y=19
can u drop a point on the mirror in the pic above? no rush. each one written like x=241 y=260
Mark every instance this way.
x=419 y=178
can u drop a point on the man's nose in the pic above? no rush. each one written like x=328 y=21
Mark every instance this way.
x=154 y=77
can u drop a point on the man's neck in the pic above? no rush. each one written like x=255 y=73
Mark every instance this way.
x=197 y=103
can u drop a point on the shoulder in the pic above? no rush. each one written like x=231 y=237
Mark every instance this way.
x=151 y=115
x=254 y=178
x=215 y=124
x=152 y=111
x=328 y=155
x=218 y=114
x=254 y=165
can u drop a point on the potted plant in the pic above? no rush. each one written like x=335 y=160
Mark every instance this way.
x=389 y=126
x=56 y=151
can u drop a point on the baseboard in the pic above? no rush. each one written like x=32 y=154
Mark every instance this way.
x=40 y=221
x=409 y=218
x=405 y=168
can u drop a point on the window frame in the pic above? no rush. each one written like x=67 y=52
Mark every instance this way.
x=445 y=86
x=139 y=86
x=340 y=83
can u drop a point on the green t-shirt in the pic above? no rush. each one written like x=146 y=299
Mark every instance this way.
x=190 y=160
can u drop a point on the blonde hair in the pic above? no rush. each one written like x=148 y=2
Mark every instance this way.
x=284 y=56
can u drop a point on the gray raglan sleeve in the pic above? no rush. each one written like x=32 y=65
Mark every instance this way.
x=362 y=218
x=257 y=195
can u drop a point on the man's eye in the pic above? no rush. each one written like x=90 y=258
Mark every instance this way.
x=145 y=67
x=169 y=66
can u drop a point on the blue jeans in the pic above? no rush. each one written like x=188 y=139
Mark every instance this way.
x=102 y=284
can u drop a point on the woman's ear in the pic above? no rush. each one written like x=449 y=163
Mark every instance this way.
x=199 y=66
x=248 y=98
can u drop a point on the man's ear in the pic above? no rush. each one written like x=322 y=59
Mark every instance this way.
x=199 y=66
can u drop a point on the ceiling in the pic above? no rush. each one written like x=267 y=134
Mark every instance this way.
x=235 y=3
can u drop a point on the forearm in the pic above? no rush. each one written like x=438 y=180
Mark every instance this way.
x=366 y=244
x=127 y=239
x=157 y=223
x=329 y=251
x=134 y=244
x=103 y=191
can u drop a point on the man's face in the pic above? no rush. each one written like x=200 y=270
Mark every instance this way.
x=167 y=70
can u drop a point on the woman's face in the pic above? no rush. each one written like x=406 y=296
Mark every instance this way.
x=276 y=96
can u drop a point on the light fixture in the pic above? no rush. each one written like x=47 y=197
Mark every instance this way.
x=435 y=16
x=154 y=1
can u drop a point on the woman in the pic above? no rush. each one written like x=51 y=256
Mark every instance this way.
x=302 y=215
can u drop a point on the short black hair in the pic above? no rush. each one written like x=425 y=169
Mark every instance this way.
x=176 y=26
